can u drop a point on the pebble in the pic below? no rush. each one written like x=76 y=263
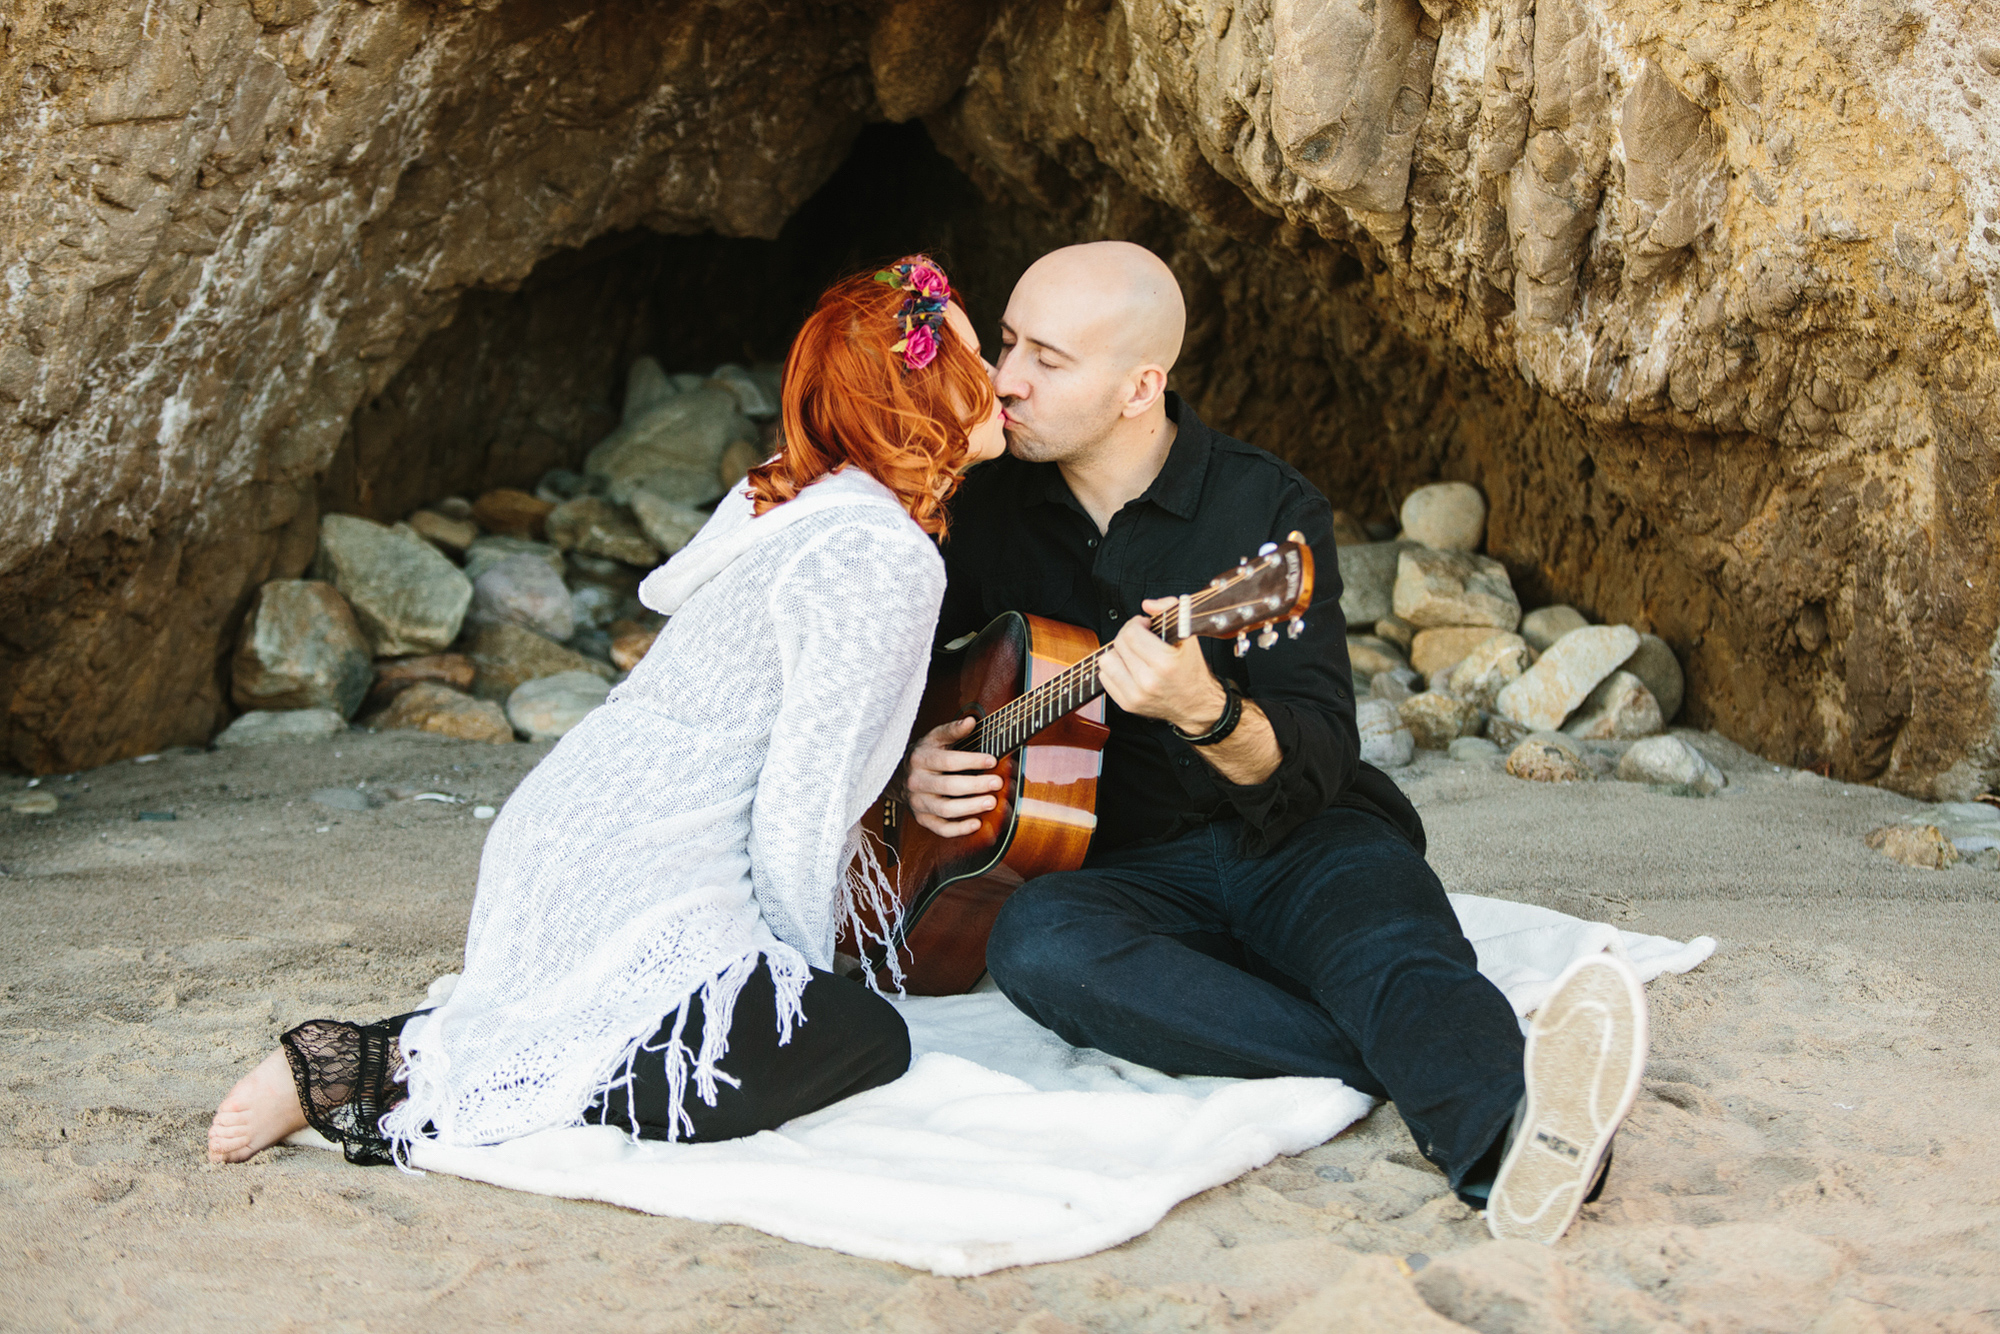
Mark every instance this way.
x=1397 y=631
x=1385 y=742
x=342 y=799
x=1435 y=588
x=395 y=675
x=560 y=484
x=487 y=552
x=430 y=706
x=627 y=649
x=449 y=535
x=35 y=803
x=1550 y=691
x=1504 y=732
x=1922 y=846
x=1367 y=655
x=511 y=513
x=1447 y=646
x=454 y=507
x=272 y=727
x=596 y=527
x=506 y=656
x=1619 y=708
x=522 y=590
x=753 y=399
x=406 y=595
x=1545 y=625
x=1437 y=720
x=1654 y=663
x=483 y=812
x=1447 y=516
x=1490 y=667
x=1472 y=748
x=667 y=525
x=594 y=604
x=673 y=447
x=300 y=648
x=1368 y=580
x=1669 y=761
x=620 y=578
x=1548 y=758
x=1393 y=687
x=546 y=708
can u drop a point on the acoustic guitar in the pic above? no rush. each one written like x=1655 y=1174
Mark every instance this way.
x=1033 y=685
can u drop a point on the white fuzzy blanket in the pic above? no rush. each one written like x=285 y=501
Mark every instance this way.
x=1004 y=1145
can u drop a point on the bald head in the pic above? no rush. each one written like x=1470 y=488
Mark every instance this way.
x=1109 y=298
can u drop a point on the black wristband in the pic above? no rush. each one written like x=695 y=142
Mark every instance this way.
x=1232 y=714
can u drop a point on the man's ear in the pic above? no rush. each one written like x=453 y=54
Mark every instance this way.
x=1147 y=385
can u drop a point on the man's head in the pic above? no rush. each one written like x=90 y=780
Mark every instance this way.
x=1088 y=338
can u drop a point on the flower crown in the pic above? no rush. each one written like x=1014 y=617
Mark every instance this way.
x=921 y=317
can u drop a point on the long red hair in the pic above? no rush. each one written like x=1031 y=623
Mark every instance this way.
x=848 y=399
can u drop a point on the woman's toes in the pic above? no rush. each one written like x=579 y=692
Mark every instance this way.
x=262 y=1109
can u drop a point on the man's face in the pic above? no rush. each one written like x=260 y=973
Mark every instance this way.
x=1058 y=376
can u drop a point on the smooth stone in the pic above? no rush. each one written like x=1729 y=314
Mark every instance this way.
x=546 y=708
x=1548 y=692
x=1504 y=732
x=433 y=707
x=617 y=576
x=511 y=513
x=560 y=484
x=1472 y=748
x=449 y=535
x=1491 y=666
x=1367 y=655
x=676 y=486
x=667 y=525
x=753 y=399
x=1347 y=531
x=453 y=507
x=1654 y=663
x=1436 y=588
x=35 y=803
x=1385 y=742
x=627 y=649
x=647 y=386
x=342 y=799
x=487 y=552
x=1368 y=580
x=682 y=436
x=1446 y=516
x=279 y=726
x=407 y=596
x=1922 y=846
x=1447 y=646
x=592 y=643
x=1394 y=686
x=596 y=527
x=395 y=675
x=1397 y=631
x=1619 y=708
x=300 y=648
x=1435 y=721
x=1548 y=758
x=595 y=605
x=1671 y=762
x=507 y=656
x=684 y=381
x=522 y=590
x=1545 y=625
x=737 y=461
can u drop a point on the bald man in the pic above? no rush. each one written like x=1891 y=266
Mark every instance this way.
x=1255 y=901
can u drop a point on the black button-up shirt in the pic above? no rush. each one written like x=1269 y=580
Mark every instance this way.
x=1019 y=541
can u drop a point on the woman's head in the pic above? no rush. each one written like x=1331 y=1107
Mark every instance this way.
x=912 y=416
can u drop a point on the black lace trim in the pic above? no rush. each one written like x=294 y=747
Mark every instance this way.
x=346 y=1080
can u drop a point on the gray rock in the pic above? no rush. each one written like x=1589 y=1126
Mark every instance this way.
x=1619 y=708
x=276 y=727
x=1550 y=691
x=1472 y=749
x=522 y=590
x=560 y=484
x=505 y=656
x=1368 y=581
x=406 y=595
x=487 y=552
x=1654 y=663
x=1672 y=762
x=1488 y=669
x=646 y=387
x=1367 y=655
x=1447 y=516
x=620 y=578
x=300 y=649
x=596 y=527
x=1504 y=732
x=1393 y=687
x=1543 y=626
x=594 y=605
x=756 y=401
x=1385 y=742
x=666 y=524
x=666 y=447
x=544 y=709
x=1437 y=588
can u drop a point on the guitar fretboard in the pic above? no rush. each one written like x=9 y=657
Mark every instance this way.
x=1013 y=725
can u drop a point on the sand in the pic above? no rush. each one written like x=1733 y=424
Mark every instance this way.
x=1814 y=1148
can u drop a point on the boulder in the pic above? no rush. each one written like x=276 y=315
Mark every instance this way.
x=547 y=707
x=1619 y=708
x=1447 y=646
x=1922 y=846
x=407 y=597
x=1436 y=588
x=1548 y=758
x=753 y=398
x=1472 y=749
x=612 y=575
x=279 y=726
x=1654 y=663
x=1543 y=626
x=1367 y=655
x=560 y=484
x=395 y=675
x=1670 y=762
x=522 y=590
x=1446 y=516
x=667 y=525
x=627 y=649
x=300 y=648
x=1347 y=531
x=1492 y=665
x=596 y=527
x=1563 y=678
x=453 y=507
x=1436 y=720
x=432 y=706
x=647 y=386
x=1385 y=742
x=511 y=513
x=487 y=552
x=449 y=535
x=594 y=605
x=1504 y=732
x=1393 y=687
x=1397 y=631
x=673 y=448
x=1368 y=580
x=506 y=656
x=737 y=461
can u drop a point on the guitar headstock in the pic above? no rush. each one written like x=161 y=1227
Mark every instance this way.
x=1274 y=585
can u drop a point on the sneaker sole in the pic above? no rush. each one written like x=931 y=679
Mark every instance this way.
x=1586 y=1054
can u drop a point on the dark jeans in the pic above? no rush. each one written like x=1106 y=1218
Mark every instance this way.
x=850 y=1040
x=1336 y=954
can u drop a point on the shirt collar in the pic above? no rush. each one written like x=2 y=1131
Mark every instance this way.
x=1177 y=489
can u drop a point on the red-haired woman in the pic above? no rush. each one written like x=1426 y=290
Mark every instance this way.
x=651 y=940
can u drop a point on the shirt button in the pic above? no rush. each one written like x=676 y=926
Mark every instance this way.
x=1112 y=613
x=1092 y=543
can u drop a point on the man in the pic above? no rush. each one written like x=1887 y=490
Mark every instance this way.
x=1255 y=901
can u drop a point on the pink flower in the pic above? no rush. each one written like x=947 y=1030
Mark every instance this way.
x=927 y=278
x=920 y=348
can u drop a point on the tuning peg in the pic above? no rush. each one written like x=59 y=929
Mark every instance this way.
x=1267 y=548
x=1266 y=637
x=1295 y=627
x=1243 y=645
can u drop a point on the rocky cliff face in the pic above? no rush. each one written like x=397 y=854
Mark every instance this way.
x=1702 y=297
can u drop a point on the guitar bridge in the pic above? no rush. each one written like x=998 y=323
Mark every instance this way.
x=889 y=807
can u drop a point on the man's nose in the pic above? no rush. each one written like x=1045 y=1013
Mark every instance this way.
x=1005 y=383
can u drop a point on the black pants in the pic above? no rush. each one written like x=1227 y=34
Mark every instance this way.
x=1335 y=954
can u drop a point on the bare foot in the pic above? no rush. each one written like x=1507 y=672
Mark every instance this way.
x=262 y=1109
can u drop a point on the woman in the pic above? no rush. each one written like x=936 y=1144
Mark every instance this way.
x=658 y=900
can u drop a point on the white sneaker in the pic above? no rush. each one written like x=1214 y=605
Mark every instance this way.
x=1586 y=1053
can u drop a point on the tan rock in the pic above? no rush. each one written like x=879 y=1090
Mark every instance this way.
x=395 y=675
x=1397 y=631
x=666 y=525
x=1490 y=667
x=511 y=513
x=1563 y=678
x=507 y=656
x=1436 y=720
x=596 y=527
x=1367 y=655
x=1544 y=758
x=1545 y=625
x=628 y=649
x=1620 y=708
x=35 y=803
x=1368 y=580
x=1922 y=846
x=1446 y=516
x=1444 y=648
x=1435 y=588
x=1504 y=732
x=737 y=461
x=1654 y=663
x=431 y=706
x=300 y=649
x=1347 y=530
x=449 y=535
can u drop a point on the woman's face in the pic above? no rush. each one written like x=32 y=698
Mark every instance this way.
x=988 y=439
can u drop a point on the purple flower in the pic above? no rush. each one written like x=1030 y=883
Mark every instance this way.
x=920 y=348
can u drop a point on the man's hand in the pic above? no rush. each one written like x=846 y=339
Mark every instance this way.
x=1143 y=675
x=949 y=789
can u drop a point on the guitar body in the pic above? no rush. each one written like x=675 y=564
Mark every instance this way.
x=951 y=889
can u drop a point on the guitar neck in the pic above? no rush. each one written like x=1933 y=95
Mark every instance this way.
x=1010 y=727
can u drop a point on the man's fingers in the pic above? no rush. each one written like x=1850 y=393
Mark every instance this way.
x=948 y=828
x=953 y=785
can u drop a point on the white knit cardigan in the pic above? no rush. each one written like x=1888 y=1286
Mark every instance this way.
x=703 y=816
